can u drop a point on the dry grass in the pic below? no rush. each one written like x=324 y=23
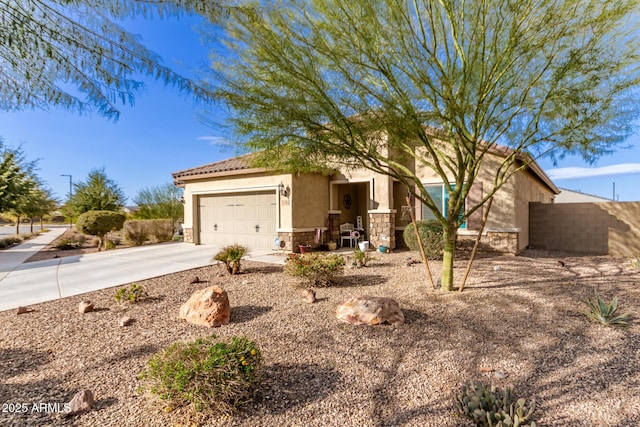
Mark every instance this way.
x=523 y=320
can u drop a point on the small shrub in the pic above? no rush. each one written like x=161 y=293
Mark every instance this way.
x=231 y=256
x=360 y=257
x=131 y=294
x=5 y=242
x=604 y=313
x=109 y=244
x=99 y=223
x=135 y=232
x=314 y=269
x=431 y=235
x=68 y=243
x=489 y=406
x=207 y=375
x=635 y=262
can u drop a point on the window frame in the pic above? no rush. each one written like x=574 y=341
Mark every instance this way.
x=444 y=197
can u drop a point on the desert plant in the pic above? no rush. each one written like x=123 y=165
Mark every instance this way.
x=604 y=313
x=131 y=294
x=431 y=236
x=67 y=243
x=135 y=232
x=231 y=256
x=490 y=406
x=99 y=223
x=207 y=374
x=5 y=242
x=161 y=230
x=635 y=262
x=360 y=257
x=314 y=270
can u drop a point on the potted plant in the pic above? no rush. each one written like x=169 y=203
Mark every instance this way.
x=332 y=246
x=304 y=248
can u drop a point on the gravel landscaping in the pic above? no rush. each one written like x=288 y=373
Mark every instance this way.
x=518 y=325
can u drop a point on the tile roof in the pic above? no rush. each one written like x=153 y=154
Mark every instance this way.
x=228 y=165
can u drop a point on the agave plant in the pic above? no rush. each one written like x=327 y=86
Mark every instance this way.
x=604 y=313
x=231 y=256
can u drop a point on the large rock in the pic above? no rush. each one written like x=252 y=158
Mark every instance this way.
x=207 y=307
x=81 y=402
x=367 y=310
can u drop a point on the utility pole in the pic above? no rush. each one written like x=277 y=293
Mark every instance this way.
x=70 y=195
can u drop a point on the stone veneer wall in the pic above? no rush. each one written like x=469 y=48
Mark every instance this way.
x=292 y=240
x=382 y=223
x=335 y=227
x=187 y=235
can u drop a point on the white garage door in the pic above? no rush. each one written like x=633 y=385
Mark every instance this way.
x=248 y=219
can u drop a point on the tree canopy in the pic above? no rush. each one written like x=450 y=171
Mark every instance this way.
x=97 y=193
x=441 y=83
x=160 y=202
x=74 y=54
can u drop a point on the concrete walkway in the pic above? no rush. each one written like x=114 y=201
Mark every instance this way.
x=23 y=284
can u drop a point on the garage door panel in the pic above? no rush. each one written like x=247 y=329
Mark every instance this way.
x=232 y=218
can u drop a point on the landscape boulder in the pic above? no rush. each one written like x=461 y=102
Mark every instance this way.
x=85 y=306
x=309 y=296
x=207 y=307
x=368 y=310
x=81 y=402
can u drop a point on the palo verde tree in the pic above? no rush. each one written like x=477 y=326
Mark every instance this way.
x=160 y=202
x=441 y=83
x=97 y=193
x=48 y=47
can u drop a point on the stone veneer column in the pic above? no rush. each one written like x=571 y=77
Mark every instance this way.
x=187 y=235
x=382 y=223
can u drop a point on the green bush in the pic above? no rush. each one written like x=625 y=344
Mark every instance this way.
x=489 y=406
x=99 y=223
x=231 y=256
x=131 y=294
x=314 y=269
x=431 y=235
x=5 y=242
x=138 y=231
x=68 y=243
x=207 y=374
x=361 y=258
x=135 y=232
x=604 y=313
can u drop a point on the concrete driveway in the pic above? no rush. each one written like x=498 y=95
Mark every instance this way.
x=36 y=282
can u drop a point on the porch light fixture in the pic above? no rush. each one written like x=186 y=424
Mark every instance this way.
x=284 y=191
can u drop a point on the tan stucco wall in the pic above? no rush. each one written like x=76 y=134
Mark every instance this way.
x=529 y=189
x=611 y=228
x=309 y=200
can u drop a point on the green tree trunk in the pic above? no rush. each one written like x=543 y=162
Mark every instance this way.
x=448 y=256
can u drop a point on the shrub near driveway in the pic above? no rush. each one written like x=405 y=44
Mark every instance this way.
x=314 y=269
x=138 y=231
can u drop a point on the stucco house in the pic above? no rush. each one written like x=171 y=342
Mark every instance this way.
x=230 y=202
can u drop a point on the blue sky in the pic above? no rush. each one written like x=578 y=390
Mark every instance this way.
x=160 y=134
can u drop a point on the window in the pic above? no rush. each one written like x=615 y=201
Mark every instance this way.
x=440 y=197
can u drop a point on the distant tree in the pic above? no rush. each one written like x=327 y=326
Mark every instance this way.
x=99 y=223
x=442 y=84
x=97 y=193
x=161 y=202
x=17 y=177
x=39 y=203
x=48 y=48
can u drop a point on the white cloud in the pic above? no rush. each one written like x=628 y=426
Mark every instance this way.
x=216 y=140
x=569 y=173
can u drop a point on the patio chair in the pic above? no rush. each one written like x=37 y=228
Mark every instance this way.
x=348 y=233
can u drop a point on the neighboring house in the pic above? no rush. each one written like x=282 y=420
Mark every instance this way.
x=230 y=202
x=571 y=196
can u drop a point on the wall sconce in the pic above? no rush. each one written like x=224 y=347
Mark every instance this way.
x=284 y=191
x=182 y=200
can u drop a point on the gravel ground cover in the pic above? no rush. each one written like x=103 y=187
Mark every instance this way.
x=522 y=321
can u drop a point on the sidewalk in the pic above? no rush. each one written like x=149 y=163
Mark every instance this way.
x=12 y=258
x=41 y=281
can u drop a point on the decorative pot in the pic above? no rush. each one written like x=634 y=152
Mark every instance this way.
x=382 y=249
x=332 y=246
x=304 y=248
x=364 y=246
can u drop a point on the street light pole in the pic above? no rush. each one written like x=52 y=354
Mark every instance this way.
x=70 y=195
